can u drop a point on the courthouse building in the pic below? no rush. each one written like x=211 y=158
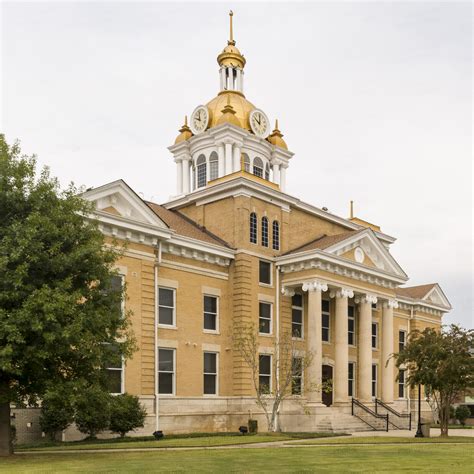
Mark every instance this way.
x=232 y=247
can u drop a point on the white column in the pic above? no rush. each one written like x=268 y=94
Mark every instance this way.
x=179 y=176
x=222 y=78
x=228 y=158
x=283 y=177
x=236 y=158
x=221 y=159
x=387 y=349
x=364 y=342
x=276 y=173
x=186 y=166
x=341 y=346
x=314 y=335
x=239 y=79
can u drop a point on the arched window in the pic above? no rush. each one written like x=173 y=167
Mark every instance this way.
x=264 y=231
x=276 y=235
x=258 y=167
x=246 y=162
x=194 y=177
x=213 y=166
x=253 y=228
x=267 y=172
x=201 y=172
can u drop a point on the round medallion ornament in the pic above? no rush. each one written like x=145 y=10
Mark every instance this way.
x=259 y=123
x=359 y=255
x=199 y=119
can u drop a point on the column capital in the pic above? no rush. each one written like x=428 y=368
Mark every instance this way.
x=367 y=298
x=342 y=293
x=314 y=285
x=392 y=304
x=287 y=291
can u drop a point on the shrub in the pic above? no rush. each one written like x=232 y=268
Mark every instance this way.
x=126 y=414
x=92 y=411
x=452 y=412
x=462 y=414
x=57 y=412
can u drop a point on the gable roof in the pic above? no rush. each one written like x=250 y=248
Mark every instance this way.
x=322 y=242
x=415 y=292
x=185 y=226
x=429 y=294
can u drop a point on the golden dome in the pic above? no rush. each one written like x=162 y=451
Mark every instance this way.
x=228 y=114
x=241 y=106
x=276 y=138
x=185 y=132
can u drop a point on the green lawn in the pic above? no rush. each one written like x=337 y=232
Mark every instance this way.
x=379 y=458
x=388 y=440
x=200 y=440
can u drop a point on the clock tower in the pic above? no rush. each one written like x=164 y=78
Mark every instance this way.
x=229 y=135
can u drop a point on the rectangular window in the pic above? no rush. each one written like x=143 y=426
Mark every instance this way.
x=351 y=326
x=375 y=330
x=297 y=315
x=201 y=175
x=401 y=384
x=402 y=339
x=265 y=373
x=166 y=306
x=211 y=319
x=374 y=380
x=325 y=319
x=351 y=379
x=210 y=373
x=213 y=169
x=114 y=368
x=265 y=317
x=297 y=376
x=166 y=371
x=265 y=272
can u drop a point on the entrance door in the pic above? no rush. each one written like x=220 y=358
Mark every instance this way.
x=327 y=376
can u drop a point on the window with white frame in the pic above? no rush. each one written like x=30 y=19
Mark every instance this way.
x=166 y=306
x=374 y=380
x=253 y=228
x=325 y=320
x=166 y=371
x=351 y=379
x=210 y=373
x=213 y=166
x=113 y=368
x=297 y=315
x=265 y=373
x=401 y=383
x=264 y=317
x=402 y=340
x=276 y=235
x=297 y=375
x=265 y=272
x=246 y=161
x=211 y=308
x=267 y=172
x=351 y=339
x=201 y=173
x=375 y=335
x=258 y=167
x=264 y=232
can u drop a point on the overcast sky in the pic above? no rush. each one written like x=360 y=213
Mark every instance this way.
x=374 y=99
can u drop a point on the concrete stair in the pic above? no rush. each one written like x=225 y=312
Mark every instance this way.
x=342 y=423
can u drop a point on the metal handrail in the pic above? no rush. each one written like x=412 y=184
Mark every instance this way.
x=370 y=412
x=394 y=412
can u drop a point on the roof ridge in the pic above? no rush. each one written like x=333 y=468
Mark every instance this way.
x=305 y=244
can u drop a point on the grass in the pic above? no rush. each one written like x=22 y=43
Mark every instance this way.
x=389 y=440
x=172 y=441
x=378 y=458
x=454 y=427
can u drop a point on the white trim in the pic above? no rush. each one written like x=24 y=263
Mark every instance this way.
x=163 y=395
x=209 y=373
x=271 y=319
x=173 y=324
x=217 y=315
x=267 y=285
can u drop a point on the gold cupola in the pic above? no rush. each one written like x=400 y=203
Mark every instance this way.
x=231 y=56
x=185 y=132
x=276 y=138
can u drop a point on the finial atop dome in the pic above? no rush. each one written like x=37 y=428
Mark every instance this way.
x=276 y=137
x=228 y=115
x=185 y=132
x=230 y=55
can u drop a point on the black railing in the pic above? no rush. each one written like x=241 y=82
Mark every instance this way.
x=376 y=421
x=402 y=420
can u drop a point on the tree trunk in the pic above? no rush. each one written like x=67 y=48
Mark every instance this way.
x=444 y=419
x=6 y=447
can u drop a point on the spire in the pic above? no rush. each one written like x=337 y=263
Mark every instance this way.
x=352 y=210
x=228 y=114
x=184 y=132
x=231 y=56
x=276 y=137
x=231 y=41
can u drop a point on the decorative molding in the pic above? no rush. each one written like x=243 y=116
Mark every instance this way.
x=367 y=298
x=341 y=293
x=314 y=285
x=392 y=304
x=286 y=291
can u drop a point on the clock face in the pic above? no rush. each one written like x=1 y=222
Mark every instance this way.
x=259 y=123
x=199 y=119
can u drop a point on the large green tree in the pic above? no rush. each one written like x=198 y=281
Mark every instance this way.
x=58 y=313
x=443 y=362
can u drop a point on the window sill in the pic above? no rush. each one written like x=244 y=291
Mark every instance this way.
x=167 y=395
x=301 y=339
x=265 y=285
x=166 y=326
x=211 y=331
x=265 y=334
x=326 y=343
x=210 y=395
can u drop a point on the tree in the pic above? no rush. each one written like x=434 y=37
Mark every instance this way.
x=126 y=414
x=57 y=410
x=92 y=408
x=441 y=361
x=462 y=414
x=56 y=307
x=287 y=363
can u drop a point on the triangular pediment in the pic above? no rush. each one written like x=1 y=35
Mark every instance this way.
x=366 y=249
x=118 y=199
x=437 y=297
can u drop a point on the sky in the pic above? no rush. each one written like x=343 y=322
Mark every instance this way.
x=374 y=99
